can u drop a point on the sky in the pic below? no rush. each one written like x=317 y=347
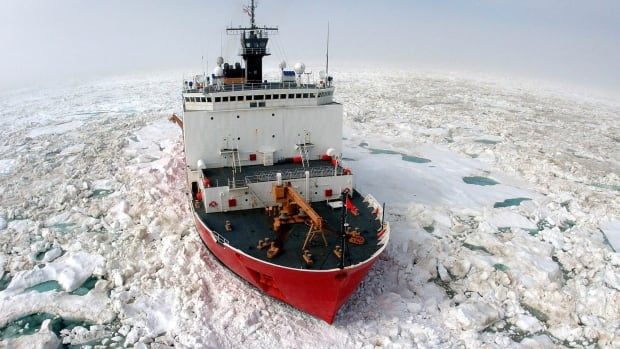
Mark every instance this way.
x=561 y=41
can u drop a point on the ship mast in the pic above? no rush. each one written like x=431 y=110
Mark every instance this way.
x=253 y=45
x=252 y=9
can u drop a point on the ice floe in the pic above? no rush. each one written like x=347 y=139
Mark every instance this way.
x=93 y=191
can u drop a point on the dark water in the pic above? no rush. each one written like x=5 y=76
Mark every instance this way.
x=46 y=286
x=97 y=193
x=4 y=282
x=31 y=323
x=500 y=267
x=415 y=159
x=476 y=248
x=486 y=141
x=510 y=202
x=53 y=285
x=88 y=285
x=477 y=180
x=403 y=156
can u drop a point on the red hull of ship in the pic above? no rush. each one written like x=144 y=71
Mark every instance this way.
x=319 y=293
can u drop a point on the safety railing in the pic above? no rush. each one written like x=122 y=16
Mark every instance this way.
x=220 y=239
x=269 y=176
x=256 y=86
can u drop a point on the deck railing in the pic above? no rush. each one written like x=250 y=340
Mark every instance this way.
x=269 y=176
x=255 y=86
x=220 y=239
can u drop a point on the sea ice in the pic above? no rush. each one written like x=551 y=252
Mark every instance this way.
x=111 y=189
x=7 y=166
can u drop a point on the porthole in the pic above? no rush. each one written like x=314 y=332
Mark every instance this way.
x=238 y=138
x=272 y=114
x=273 y=136
x=212 y=118
x=237 y=116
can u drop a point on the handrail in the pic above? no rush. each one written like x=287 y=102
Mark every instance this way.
x=270 y=176
x=219 y=238
x=258 y=86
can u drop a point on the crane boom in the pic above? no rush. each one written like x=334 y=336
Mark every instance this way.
x=316 y=219
x=291 y=204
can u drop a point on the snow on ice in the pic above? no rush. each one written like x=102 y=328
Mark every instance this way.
x=503 y=201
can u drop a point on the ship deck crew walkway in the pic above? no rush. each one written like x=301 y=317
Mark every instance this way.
x=222 y=176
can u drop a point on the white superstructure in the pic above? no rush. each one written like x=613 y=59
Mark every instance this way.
x=242 y=134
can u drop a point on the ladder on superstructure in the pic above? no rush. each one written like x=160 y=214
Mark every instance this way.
x=303 y=151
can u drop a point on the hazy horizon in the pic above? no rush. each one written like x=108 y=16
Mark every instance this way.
x=563 y=42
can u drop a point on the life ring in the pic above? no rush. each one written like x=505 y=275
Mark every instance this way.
x=346 y=171
x=213 y=204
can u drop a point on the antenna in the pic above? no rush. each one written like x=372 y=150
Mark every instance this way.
x=250 y=11
x=252 y=8
x=327 y=54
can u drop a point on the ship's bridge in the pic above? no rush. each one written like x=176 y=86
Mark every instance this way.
x=256 y=95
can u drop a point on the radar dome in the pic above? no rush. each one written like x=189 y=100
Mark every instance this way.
x=282 y=65
x=330 y=152
x=218 y=72
x=219 y=61
x=299 y=68
x=322 y=74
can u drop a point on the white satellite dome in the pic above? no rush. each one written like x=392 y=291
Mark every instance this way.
x=322 y=74
x=218 y=72
x=219 y=61
x=200 y=164
x=282 y=65
x=330 y=152
x=299 y=68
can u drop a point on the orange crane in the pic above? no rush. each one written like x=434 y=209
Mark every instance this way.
x=295 y=209
x=175 y=118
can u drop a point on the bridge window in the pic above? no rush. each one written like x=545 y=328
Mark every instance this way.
x=298 y=95
x=253 y=105
x=267 y=96
x=305 y=95
x=203 y=99
x=276 y=96
x=312 y=95
x=261 y=104
x=233 y=98
x=186 y=99
x=248 y=98
x=209 y=99
x=224 y=99
x=283 y=96
x=291 y=96
x=259 y=97
x=217 y=99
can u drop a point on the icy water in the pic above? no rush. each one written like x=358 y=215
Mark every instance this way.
x=47 y=286
x=404 y=157
x=477 y=180
x=31 y=324
x=496 y=241
x=510 y=202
